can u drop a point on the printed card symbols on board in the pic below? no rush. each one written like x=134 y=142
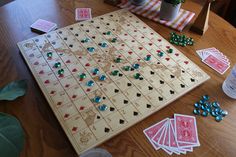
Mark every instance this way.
x=122 y=121
x=135 y=113
x=112 y=108
x=150 y=88
x=106 y=130
x=52 y=92
x=74 y=129
x=81 y=108
x=47 y=82
x=138 y=95
x=160 y=98
x=31 y=55
x=116 y=90
x=74 y=70
x=59 y=103
x=172 y=92
x=126 y=101
x=66 y=115
x=74 y=96
x=36 y=63
x=192 y=80
x=41 y=72
x=148 y=105
x=129 y=84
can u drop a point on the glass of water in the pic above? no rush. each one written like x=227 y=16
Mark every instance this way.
x=229 y=85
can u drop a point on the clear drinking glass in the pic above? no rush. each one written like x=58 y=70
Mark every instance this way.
x=229 y=85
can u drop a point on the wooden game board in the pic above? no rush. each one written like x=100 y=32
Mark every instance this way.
x=129 y=99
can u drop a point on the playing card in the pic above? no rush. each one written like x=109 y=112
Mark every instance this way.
x=82 y=14
x=176 y=135
x=185 y=129
x=153 y=130
x=215 y=52
x=216 y=64
x=204 y=53
x=43 y=26
x=173 y=143
x=159 y=139
x=215 y=59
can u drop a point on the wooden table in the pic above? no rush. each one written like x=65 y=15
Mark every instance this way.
x=44 y=136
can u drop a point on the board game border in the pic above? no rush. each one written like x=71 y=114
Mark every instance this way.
x=116 y=132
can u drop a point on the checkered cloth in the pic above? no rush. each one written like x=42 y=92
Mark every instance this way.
x=151 y=10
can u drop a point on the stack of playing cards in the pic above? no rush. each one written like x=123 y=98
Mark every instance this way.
x=176 y=135
x=82 y=14
x=214 y=59
x=43 y=26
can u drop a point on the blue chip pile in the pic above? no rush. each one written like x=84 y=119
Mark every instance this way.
x=204 y=107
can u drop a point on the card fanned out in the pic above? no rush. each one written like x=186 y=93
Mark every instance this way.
x=174 y=135
x=214 y=59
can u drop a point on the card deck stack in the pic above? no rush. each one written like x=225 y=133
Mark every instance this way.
x=43 y=26
x=214 y=59
x=174 y=135
x=82 y=14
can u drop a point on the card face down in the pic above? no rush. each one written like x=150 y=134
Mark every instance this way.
x=186 y=130
x=82 y=14
x=43 y=26
x=214 y=59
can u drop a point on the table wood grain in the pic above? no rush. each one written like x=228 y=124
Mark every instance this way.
x=43 y=134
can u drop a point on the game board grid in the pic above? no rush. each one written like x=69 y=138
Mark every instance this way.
x=118 y=110
x=107 y=41
x=88 y=127
x=47 y=96
x=111 y=43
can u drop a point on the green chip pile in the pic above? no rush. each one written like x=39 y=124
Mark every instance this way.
x=180 y=40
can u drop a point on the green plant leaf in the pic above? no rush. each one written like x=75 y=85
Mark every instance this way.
x=11 y=136
x=13 y=90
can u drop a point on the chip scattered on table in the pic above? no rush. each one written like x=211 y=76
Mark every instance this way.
x=204 y=107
